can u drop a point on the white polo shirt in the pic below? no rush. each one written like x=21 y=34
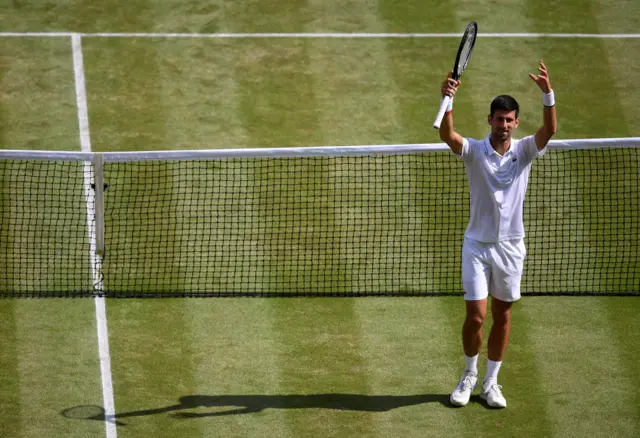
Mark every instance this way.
x=497 y=186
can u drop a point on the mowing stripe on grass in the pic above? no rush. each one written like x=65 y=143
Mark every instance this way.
x=622 y=314
x=233 y=17
x=397 y=17
x=316 y=341
x=496 y=16
x=580 y=368
x=413 y=360
x=545 y=17
x=624 y=68
x=127 y=108
x=153 y=365
x=620 y=16
x=198 y=88
x=10 y=397
x=322 y=370
x=358 y=105
x=275 y=103
x=234 y=353
x=96 y=262
x=38 y=104
x=203 y=368
x=56 y=360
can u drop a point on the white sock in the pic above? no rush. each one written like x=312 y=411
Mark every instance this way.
x=492 y=370
x=471 y=364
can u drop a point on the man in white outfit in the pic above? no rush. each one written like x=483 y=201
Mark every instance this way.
x=493 y=251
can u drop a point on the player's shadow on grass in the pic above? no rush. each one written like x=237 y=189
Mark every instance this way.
x=248 y=404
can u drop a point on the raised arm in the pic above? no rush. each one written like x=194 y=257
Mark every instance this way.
x=550 y=124
x=447 y=134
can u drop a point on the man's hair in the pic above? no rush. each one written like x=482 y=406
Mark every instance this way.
x=504 y=103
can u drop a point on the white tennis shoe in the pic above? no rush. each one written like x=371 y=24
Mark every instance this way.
x=491 y=392
x=460 y=396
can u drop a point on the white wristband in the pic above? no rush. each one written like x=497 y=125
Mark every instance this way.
x=450 y=106
x=548 y=99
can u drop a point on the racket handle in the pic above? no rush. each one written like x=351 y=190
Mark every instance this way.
x=444 y=103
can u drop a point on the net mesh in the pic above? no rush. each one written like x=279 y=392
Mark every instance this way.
x=44 y=239
x=337 y=226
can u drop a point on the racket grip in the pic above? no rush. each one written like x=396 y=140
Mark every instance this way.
x=444 y=103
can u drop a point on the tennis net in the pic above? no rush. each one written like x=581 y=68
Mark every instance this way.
x=332 y=221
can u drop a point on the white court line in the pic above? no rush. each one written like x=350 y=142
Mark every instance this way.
x=96 y=262
x=318 y=35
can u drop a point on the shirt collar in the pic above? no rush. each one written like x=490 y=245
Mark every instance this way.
x=489 y=150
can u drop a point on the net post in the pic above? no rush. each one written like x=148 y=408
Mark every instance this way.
x=98 y=171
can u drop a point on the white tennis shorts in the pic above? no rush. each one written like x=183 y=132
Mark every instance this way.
x=492 y=268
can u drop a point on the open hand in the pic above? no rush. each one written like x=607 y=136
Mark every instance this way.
x=542 y=79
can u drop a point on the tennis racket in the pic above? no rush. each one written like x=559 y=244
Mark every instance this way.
x=462 y=58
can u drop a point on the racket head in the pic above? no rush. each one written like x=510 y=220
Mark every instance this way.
x=465 y=49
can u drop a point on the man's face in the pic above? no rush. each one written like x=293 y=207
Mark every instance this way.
x=502 y=124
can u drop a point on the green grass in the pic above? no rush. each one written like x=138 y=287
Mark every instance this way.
x=48 y=362
x=367 y=367
x=38 y=106
x=315 y=367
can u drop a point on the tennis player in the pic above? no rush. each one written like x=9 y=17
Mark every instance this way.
x=493 y=251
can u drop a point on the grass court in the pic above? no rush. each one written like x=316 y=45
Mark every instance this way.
x=309 y=367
